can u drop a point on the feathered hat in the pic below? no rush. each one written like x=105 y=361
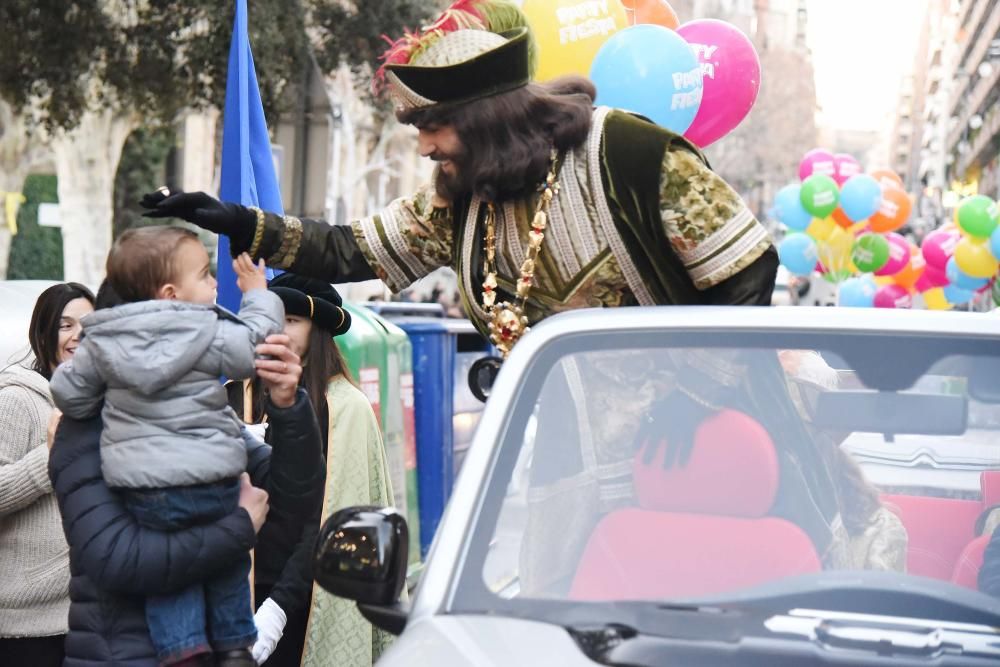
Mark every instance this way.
x=475 y=49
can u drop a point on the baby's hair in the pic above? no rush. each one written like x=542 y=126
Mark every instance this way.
x=143 y=260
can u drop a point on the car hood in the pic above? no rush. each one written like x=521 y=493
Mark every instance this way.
x=483 y=641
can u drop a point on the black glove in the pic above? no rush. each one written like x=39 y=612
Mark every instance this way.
x=235 y=221
x=671 y=422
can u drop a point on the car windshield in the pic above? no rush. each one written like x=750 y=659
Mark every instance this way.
x=678 y=466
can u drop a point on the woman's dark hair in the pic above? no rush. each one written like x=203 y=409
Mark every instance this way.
x=106 y=296
x=43 y=332
x=506 y=138
x=859 y=499
x=323 y=361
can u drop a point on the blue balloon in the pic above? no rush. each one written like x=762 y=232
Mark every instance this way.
x=857 y=293
x=995 y=243
x=798 y=254
x=652 y=71
x=789 y=211
x=962 y=281
x=860 y=197
x=956 y=295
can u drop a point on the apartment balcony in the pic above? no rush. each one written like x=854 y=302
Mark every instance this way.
x=983 y=142
x=975 y=50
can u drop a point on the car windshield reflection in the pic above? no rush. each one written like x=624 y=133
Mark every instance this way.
x=688 y=466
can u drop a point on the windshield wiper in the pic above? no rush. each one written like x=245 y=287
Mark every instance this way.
x=873 y=593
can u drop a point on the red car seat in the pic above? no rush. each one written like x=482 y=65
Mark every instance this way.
x=970 y=561
x=698 y=529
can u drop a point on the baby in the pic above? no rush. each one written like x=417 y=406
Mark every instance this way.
x=170 y=442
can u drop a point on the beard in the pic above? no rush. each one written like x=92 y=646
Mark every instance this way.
x=453 y=187
x=467 y=179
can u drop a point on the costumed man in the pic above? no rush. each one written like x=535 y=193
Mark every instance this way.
x=541 y=204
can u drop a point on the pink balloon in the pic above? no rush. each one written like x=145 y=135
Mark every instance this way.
x=731 y=71
x=893 y=296
x=938 y=247
x=817 y=161
x=931 y=277
x=899 y=255
x=845 y=166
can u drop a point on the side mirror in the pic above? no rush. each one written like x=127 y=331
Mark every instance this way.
x=361 y=555
x=482 y=375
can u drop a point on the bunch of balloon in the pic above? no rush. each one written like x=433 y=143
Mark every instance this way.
x=699 y=79
x=848 y=219
x=963 y=258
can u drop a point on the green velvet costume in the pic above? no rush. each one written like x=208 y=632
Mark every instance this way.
x=640 y=219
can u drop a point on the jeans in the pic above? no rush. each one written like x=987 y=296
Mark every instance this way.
x=177 y=621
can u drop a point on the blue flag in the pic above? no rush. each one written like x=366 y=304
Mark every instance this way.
x=248 y=176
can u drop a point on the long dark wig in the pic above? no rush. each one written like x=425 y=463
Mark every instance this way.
x=506 y=139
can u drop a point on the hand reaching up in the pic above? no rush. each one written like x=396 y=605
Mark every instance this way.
x=249 y=276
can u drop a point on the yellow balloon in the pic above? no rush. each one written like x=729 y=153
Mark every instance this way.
x=569 y=33
x=821 y=228
x=975 y=259
x=882 y=281
x=841 y=240
x=934 y=298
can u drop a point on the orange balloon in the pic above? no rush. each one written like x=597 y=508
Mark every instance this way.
x=841 y=218
x=894 y=212
x=651 y=11
x=908 y=277
x=887 y=178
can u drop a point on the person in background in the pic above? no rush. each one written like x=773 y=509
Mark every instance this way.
x=876 y=536
x=308 y=625
x=34 y=595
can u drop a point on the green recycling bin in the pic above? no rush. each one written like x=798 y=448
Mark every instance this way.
x=380 y=358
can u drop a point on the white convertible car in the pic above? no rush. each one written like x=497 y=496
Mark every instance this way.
x=826 y=509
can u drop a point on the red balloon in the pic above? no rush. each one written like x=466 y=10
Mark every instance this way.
x=841 y=218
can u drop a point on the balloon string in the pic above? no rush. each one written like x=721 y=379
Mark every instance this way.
x=631 y=15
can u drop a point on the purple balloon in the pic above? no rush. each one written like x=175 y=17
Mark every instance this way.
x=731 y=71
x=817 y=161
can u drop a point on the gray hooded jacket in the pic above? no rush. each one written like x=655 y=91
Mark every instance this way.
x=156 y=366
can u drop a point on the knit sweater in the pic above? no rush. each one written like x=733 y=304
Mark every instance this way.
x=34 y=594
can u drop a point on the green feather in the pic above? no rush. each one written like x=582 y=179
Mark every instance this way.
x=501 y=15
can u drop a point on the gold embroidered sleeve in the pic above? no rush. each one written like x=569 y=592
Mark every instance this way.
x=708 y=225
x=408 y=239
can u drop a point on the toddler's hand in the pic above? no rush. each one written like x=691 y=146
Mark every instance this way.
x=248 y=276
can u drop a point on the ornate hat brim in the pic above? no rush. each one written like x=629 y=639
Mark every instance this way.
x=492 y=72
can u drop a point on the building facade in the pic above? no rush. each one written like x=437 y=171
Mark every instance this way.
x=972 y=144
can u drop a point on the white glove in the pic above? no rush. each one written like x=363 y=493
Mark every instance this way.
x=270 y=621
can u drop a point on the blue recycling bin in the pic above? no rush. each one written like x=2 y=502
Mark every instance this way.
x=433 y=395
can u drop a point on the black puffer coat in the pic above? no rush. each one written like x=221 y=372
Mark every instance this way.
x=114 y=562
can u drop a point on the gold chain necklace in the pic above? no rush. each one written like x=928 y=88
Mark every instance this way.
x=507 y=320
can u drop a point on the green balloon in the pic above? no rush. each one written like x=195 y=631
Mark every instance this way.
x=870 y=252
x=820 y=195
x=978 y=216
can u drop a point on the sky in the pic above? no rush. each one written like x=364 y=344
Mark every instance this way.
x=861 y=50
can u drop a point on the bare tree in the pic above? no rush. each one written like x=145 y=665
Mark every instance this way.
x=763 y=153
